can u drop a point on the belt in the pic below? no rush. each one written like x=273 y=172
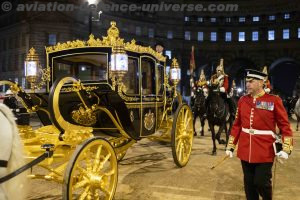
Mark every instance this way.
x=258 y=132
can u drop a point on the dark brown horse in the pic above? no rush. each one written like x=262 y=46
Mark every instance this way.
x=217 y=115
x=199 y=109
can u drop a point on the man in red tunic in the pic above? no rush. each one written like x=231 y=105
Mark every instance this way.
x=254 y=128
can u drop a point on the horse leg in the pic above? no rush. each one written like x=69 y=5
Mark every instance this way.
x=202 y=119
x=194 y=121
x=213 y=137
x=298 y=119
x=218 y=136
x=227 y=134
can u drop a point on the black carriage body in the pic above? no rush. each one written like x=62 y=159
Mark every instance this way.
x=139 y=109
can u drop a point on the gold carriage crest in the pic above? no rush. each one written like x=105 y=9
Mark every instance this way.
x=149 y=120
x=84 y=116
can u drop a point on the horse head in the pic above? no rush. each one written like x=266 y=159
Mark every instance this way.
x=216 y=107
x=199 y=101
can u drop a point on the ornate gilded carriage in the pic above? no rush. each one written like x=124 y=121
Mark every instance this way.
x=101 y=96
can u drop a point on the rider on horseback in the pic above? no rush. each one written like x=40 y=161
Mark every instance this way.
x=202 y=83
x=220 y=79
x=267 y=84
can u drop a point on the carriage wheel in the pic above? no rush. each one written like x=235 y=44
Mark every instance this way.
x=182 y=135
x=92 y=172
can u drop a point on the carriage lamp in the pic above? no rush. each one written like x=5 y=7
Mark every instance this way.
x=175 y=73
x=33 y=69
x=118 y=64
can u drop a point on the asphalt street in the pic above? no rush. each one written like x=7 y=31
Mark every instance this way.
x=148 y=172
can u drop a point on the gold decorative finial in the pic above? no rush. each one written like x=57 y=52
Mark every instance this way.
x=32 y=55
x=175 y=63
x=233 y=84
x=113 y=31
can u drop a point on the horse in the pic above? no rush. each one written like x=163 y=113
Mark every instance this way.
x=199 y=109
x=11 y=156
x=297 y=112
x=217 y=115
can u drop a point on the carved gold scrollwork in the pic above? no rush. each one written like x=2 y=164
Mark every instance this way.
x=86 y=88
x=84 y=116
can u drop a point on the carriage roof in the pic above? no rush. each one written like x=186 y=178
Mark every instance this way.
x=111 y=40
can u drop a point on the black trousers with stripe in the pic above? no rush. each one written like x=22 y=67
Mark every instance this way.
x=257 y=180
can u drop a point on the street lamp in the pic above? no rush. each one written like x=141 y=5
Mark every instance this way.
x=91 y=4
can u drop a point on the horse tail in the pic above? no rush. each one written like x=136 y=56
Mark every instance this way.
x=15 y=188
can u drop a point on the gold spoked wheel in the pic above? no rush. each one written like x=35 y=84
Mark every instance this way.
x=182 y=135
x=92 y=172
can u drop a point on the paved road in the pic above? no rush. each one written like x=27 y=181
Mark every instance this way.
x=148 y=172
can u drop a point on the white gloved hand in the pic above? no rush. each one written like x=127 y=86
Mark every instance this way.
x=229 y=153
x=222 y=89
x=267 y=90
x=282 y=154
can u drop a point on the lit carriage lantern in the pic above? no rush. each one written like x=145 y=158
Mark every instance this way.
x=118 y=64
x=119 y=61
x=35 y=75
x=31 y=67
x=175 y=73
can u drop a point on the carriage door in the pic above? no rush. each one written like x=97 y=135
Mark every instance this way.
x=148 y=92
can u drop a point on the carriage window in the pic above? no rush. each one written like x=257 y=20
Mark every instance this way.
x=86 y=67
x=131 y=78
x=160 y=79
x=64 y=69
x=148 y=76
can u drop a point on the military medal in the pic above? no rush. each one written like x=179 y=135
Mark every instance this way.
x=265 y=105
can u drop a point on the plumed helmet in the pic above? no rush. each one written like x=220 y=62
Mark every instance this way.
x=221 y=66
x=202 y=76
x=233 y=84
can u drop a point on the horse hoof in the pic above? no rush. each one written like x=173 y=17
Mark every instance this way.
x=202 y=134
x=214 y=153
x=222 y=142
x=195 y=134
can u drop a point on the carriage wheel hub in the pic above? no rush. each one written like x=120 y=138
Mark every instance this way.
x=96 y=179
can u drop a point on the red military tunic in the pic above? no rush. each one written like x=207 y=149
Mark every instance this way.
x=255 y=119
